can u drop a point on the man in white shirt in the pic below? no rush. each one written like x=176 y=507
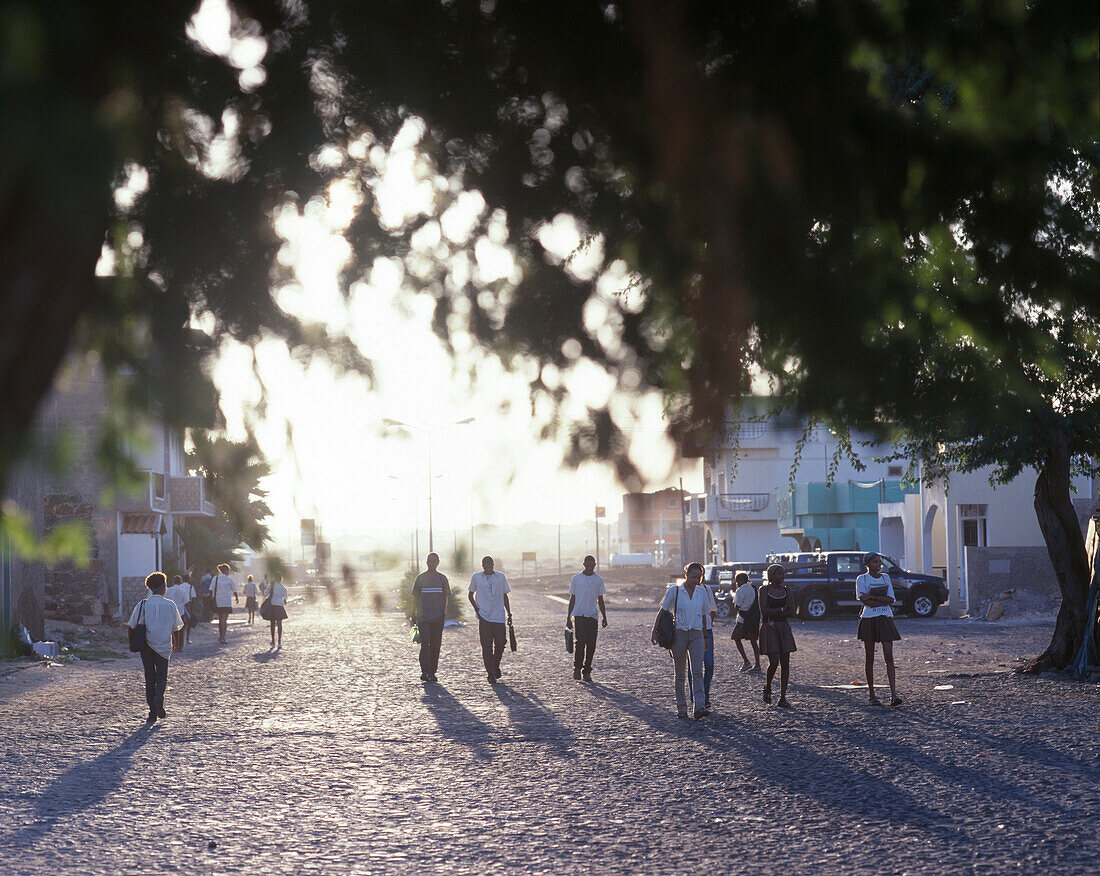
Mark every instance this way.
x=181 y=592
x=489 y=596
x=222 y=587
x=586 y=592
x=161 y=619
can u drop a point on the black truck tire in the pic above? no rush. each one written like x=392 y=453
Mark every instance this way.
x=814 y=607
x=924 y=604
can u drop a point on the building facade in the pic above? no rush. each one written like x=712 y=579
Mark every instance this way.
x=650 y=523
x=737 y=517
x=131 y=533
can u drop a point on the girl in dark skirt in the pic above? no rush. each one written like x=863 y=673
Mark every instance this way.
x=250 y=591
x=876 y=624
x=277 y=611
x=776 y=638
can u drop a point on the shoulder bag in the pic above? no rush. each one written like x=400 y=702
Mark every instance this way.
x=137 y=632
x=666 y=623
x=265 y=609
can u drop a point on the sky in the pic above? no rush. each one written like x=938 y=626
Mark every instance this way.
x=364 y=482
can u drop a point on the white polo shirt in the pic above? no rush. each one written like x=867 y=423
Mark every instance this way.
x=223 y=588
x=691 y=611
x=744 y=597
x=278 y=593
x=161 y=619
x=587 y=589
x=864 y=583
x=489 y=592
x=181 y=594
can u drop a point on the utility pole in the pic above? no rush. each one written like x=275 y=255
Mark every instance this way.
x=597 y=519
x=559 y=548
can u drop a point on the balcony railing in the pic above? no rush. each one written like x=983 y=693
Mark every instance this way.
x=743 y=502
x=189 y=497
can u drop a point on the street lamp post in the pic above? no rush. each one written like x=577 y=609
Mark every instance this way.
x=429 y=433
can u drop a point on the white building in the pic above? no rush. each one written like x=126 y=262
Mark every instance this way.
x=737 y=511
x=981 y=538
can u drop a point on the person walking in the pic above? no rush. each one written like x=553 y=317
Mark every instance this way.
x=250 y=591
x=161 y=619
x=223 y=590
x=876 y=624
x=708 y=646
x=489 y=596
x=776 y=638
x=586 y=592
x=431 y=593
x=747 y=624
x=277 y=610
x=181 y=592
x=688 y=604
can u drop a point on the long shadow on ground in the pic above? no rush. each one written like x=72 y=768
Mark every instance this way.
x=80 y=787
x=534 y=721
x=456 y=722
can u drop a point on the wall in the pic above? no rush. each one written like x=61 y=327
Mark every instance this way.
x=990 y=570
x=26 y=489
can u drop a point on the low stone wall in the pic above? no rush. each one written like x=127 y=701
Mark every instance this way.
x=133 y=591
x=991 y=570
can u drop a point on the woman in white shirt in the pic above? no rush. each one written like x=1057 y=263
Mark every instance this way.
x=876 y=624
x=221 y=588
x=250 y=591
x=277 y=611
x=689 y=604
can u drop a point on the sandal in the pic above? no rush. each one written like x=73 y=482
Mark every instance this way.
x=783 y=704
x=896 y=701
x=768 y=694
x=873 y=700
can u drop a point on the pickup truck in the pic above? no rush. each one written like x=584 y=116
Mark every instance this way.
x=719 y=578
x=824 y=583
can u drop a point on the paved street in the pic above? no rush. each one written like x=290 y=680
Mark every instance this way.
x=330 y=756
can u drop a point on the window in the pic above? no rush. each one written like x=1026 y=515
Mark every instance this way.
x=702 y=505
x=895 y=471
x=158 y=485
x=973 y=525
x=848 y=566
x=974 y=532
x=671 y=500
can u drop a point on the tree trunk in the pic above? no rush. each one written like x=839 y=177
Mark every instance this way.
x=1066 y=546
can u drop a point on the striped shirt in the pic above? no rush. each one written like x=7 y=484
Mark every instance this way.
x=433 y=590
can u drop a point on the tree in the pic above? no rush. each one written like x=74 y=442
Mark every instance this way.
x=233 y=471
x=836 y=197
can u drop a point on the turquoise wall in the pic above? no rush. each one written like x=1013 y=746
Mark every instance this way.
x=849 y=522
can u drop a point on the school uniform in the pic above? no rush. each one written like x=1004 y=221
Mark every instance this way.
x=489 y=591
x=433 y=590
x=747 y=625
x=690 y=613
x=775 y=635
x=876 y=622
x=250 y=591
x=161 y=619
x=586 y=591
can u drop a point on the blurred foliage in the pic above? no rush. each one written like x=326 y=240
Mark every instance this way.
x=66 y=541
x=456 y=609
x=881 y=213
x=232 y=471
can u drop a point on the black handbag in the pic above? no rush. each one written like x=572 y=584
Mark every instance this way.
x=511 y=636
x=265 y=609
x=568 y=640
x=666 y=624
x=137 y=632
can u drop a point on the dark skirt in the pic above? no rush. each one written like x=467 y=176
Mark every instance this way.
x=746 y=629
x=276 y=613
x=877 y=629
x=776 y=638
x=250 y=603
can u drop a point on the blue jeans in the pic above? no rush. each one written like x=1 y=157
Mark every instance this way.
x=708 y=667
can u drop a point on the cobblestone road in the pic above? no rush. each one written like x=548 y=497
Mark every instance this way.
x=330 y=756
